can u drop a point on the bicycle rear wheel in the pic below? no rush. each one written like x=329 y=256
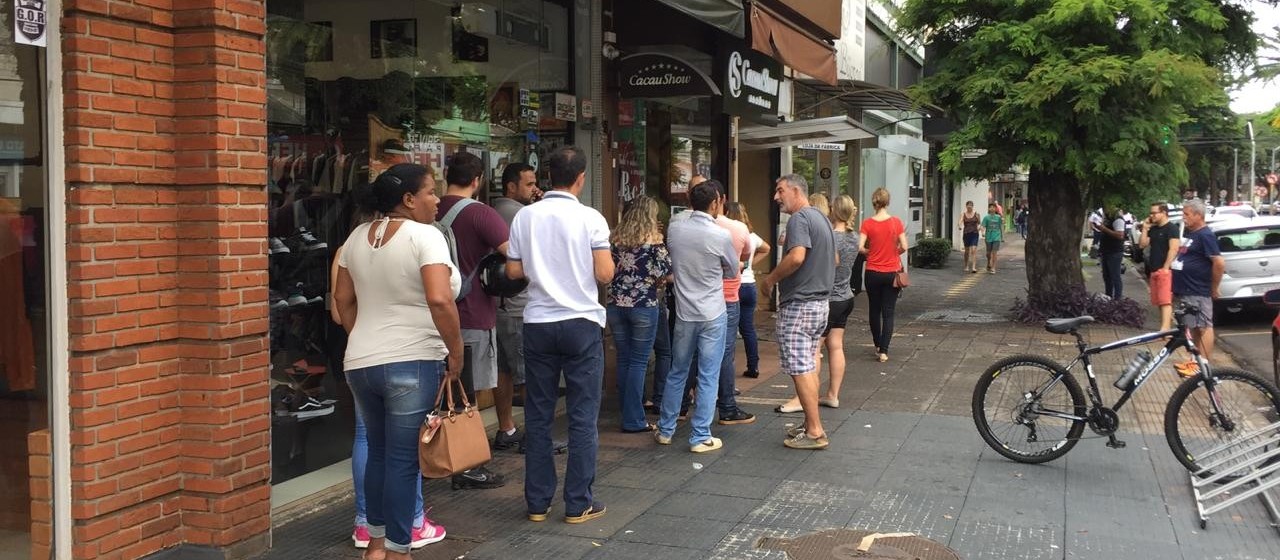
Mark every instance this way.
x=1010 y=402
x=1194 y=426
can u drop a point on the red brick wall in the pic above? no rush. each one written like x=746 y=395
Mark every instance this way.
x=40 y=467
x=165 y=150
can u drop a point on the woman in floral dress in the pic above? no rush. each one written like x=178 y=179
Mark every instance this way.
x=642 y=263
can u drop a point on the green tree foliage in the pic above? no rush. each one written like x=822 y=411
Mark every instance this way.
x=1084 y=92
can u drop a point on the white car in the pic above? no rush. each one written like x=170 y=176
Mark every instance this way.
x=1242 y=211
x=1251 y=249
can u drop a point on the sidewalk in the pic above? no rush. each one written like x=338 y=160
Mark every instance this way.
x=904 y=456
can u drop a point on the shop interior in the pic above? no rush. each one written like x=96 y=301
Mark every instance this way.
x=350 y=95
x=24 y=387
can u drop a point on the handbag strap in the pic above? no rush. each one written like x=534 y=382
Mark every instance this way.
x=445 y=395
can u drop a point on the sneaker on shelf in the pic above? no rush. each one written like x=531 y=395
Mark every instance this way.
x=316 y=299
x=295 y=296
x=276 y=246
x=478 y=478
x=312 y=408
x=428 y=533
x=277 y=301
x=360 y=537
x=308 y=242
x=502 y=440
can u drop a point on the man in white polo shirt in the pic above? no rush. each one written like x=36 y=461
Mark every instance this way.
x=562 y=247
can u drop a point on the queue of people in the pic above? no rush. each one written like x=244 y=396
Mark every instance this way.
x=407 y=292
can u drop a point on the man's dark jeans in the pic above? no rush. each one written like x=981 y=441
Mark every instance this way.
x=574 y=347
x=1112 y=280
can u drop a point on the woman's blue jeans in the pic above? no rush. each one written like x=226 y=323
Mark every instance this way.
x=634 y=330
x=747 y=325
x=359 y=463
x=393 y=400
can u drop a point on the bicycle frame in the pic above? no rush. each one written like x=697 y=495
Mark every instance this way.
x=1178 y=338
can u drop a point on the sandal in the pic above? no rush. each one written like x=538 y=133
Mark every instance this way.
x=648 y=427
x=784 y=409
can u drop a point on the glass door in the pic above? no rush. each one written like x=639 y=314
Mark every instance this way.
x=24 y=371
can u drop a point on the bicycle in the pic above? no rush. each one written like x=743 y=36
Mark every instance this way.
x=1048 y=411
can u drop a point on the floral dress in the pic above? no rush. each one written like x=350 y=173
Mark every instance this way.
x=638 y=270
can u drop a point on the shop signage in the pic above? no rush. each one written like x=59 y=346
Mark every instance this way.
x=661 y=75
x=30 y=21
x=566 y=107
x=751 y=82
x=822 y=146
x=588 y=109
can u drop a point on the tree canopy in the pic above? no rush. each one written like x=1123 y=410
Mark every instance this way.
x=1093 y=88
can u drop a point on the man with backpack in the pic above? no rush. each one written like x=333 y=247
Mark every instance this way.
x=478 y=230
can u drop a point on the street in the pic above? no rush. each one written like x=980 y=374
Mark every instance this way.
x=1247 y=337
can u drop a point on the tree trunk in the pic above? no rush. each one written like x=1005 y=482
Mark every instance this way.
x=1053 y=239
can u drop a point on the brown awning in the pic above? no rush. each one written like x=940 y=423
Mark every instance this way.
x=789 y=45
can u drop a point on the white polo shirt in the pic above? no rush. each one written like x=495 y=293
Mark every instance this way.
x=554 y=239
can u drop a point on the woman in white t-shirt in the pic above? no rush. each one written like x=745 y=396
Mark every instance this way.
x=759 y=250
x=395 y=296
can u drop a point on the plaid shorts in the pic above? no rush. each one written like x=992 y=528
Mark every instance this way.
x=800 y=327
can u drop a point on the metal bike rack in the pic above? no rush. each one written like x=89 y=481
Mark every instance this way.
x=1257 y=479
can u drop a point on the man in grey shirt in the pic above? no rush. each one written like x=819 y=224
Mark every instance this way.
x=520 y=184
x=702 y=257
x=805 y=278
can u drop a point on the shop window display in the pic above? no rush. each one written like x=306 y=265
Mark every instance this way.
x=354 y=88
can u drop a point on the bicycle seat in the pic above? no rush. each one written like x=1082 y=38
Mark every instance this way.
x=1064 y=326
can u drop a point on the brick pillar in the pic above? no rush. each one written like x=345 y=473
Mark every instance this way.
x=40 y=467
x=165 y=134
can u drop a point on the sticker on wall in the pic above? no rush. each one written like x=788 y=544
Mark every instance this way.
x=30 y=21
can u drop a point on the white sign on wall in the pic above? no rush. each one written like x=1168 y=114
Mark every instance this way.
x=851 y=46
x=30 y=22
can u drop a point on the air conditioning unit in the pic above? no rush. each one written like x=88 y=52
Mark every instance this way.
x=488 y=21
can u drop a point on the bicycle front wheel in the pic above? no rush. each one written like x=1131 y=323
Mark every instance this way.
x=1017 y=405
x=1198 y=430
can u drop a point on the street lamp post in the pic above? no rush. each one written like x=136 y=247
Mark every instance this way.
x=1235 y=177
x=1253 y=156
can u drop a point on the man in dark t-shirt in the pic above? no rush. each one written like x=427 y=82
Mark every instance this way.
x=1197 y=272
x=1161 y=238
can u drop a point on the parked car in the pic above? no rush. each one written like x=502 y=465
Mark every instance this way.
x=1272 y=298
x=1251 y=249
x=1241 y=210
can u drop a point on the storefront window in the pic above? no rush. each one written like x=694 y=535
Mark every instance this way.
x=24 y=362
x=354 y=88
x=663 y=144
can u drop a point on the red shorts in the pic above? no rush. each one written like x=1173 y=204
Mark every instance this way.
x=1161 y=285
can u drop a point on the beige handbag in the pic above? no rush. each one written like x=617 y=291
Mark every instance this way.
x=450 y=442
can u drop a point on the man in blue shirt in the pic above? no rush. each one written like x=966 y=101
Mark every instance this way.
x=1197 y=272
x=702 y=258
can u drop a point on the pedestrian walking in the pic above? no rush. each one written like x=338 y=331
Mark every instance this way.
x=478 y=230
x=839 y=306
x=702 y=257
x=1111 y=253
x=805 y=277
x=1197 y=273
x=562 y=247
x=740 y=237
x=641 y=263
x=747 y=294
x=883 y=241
x=1020 y=220
x=1160 y=238
x=404 y=338
x=993 y=234
x=969 y=224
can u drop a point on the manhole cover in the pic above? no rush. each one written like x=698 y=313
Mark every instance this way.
x=959 y=316
x=842 y=544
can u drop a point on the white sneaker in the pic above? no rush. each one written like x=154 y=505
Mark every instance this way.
x=709 y=445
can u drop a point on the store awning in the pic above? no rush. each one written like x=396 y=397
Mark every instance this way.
x=857 y=95
x=788 y=44
x=726 y=15
x=825 y=130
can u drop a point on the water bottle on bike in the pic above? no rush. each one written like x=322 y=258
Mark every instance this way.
x=1131 y=371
